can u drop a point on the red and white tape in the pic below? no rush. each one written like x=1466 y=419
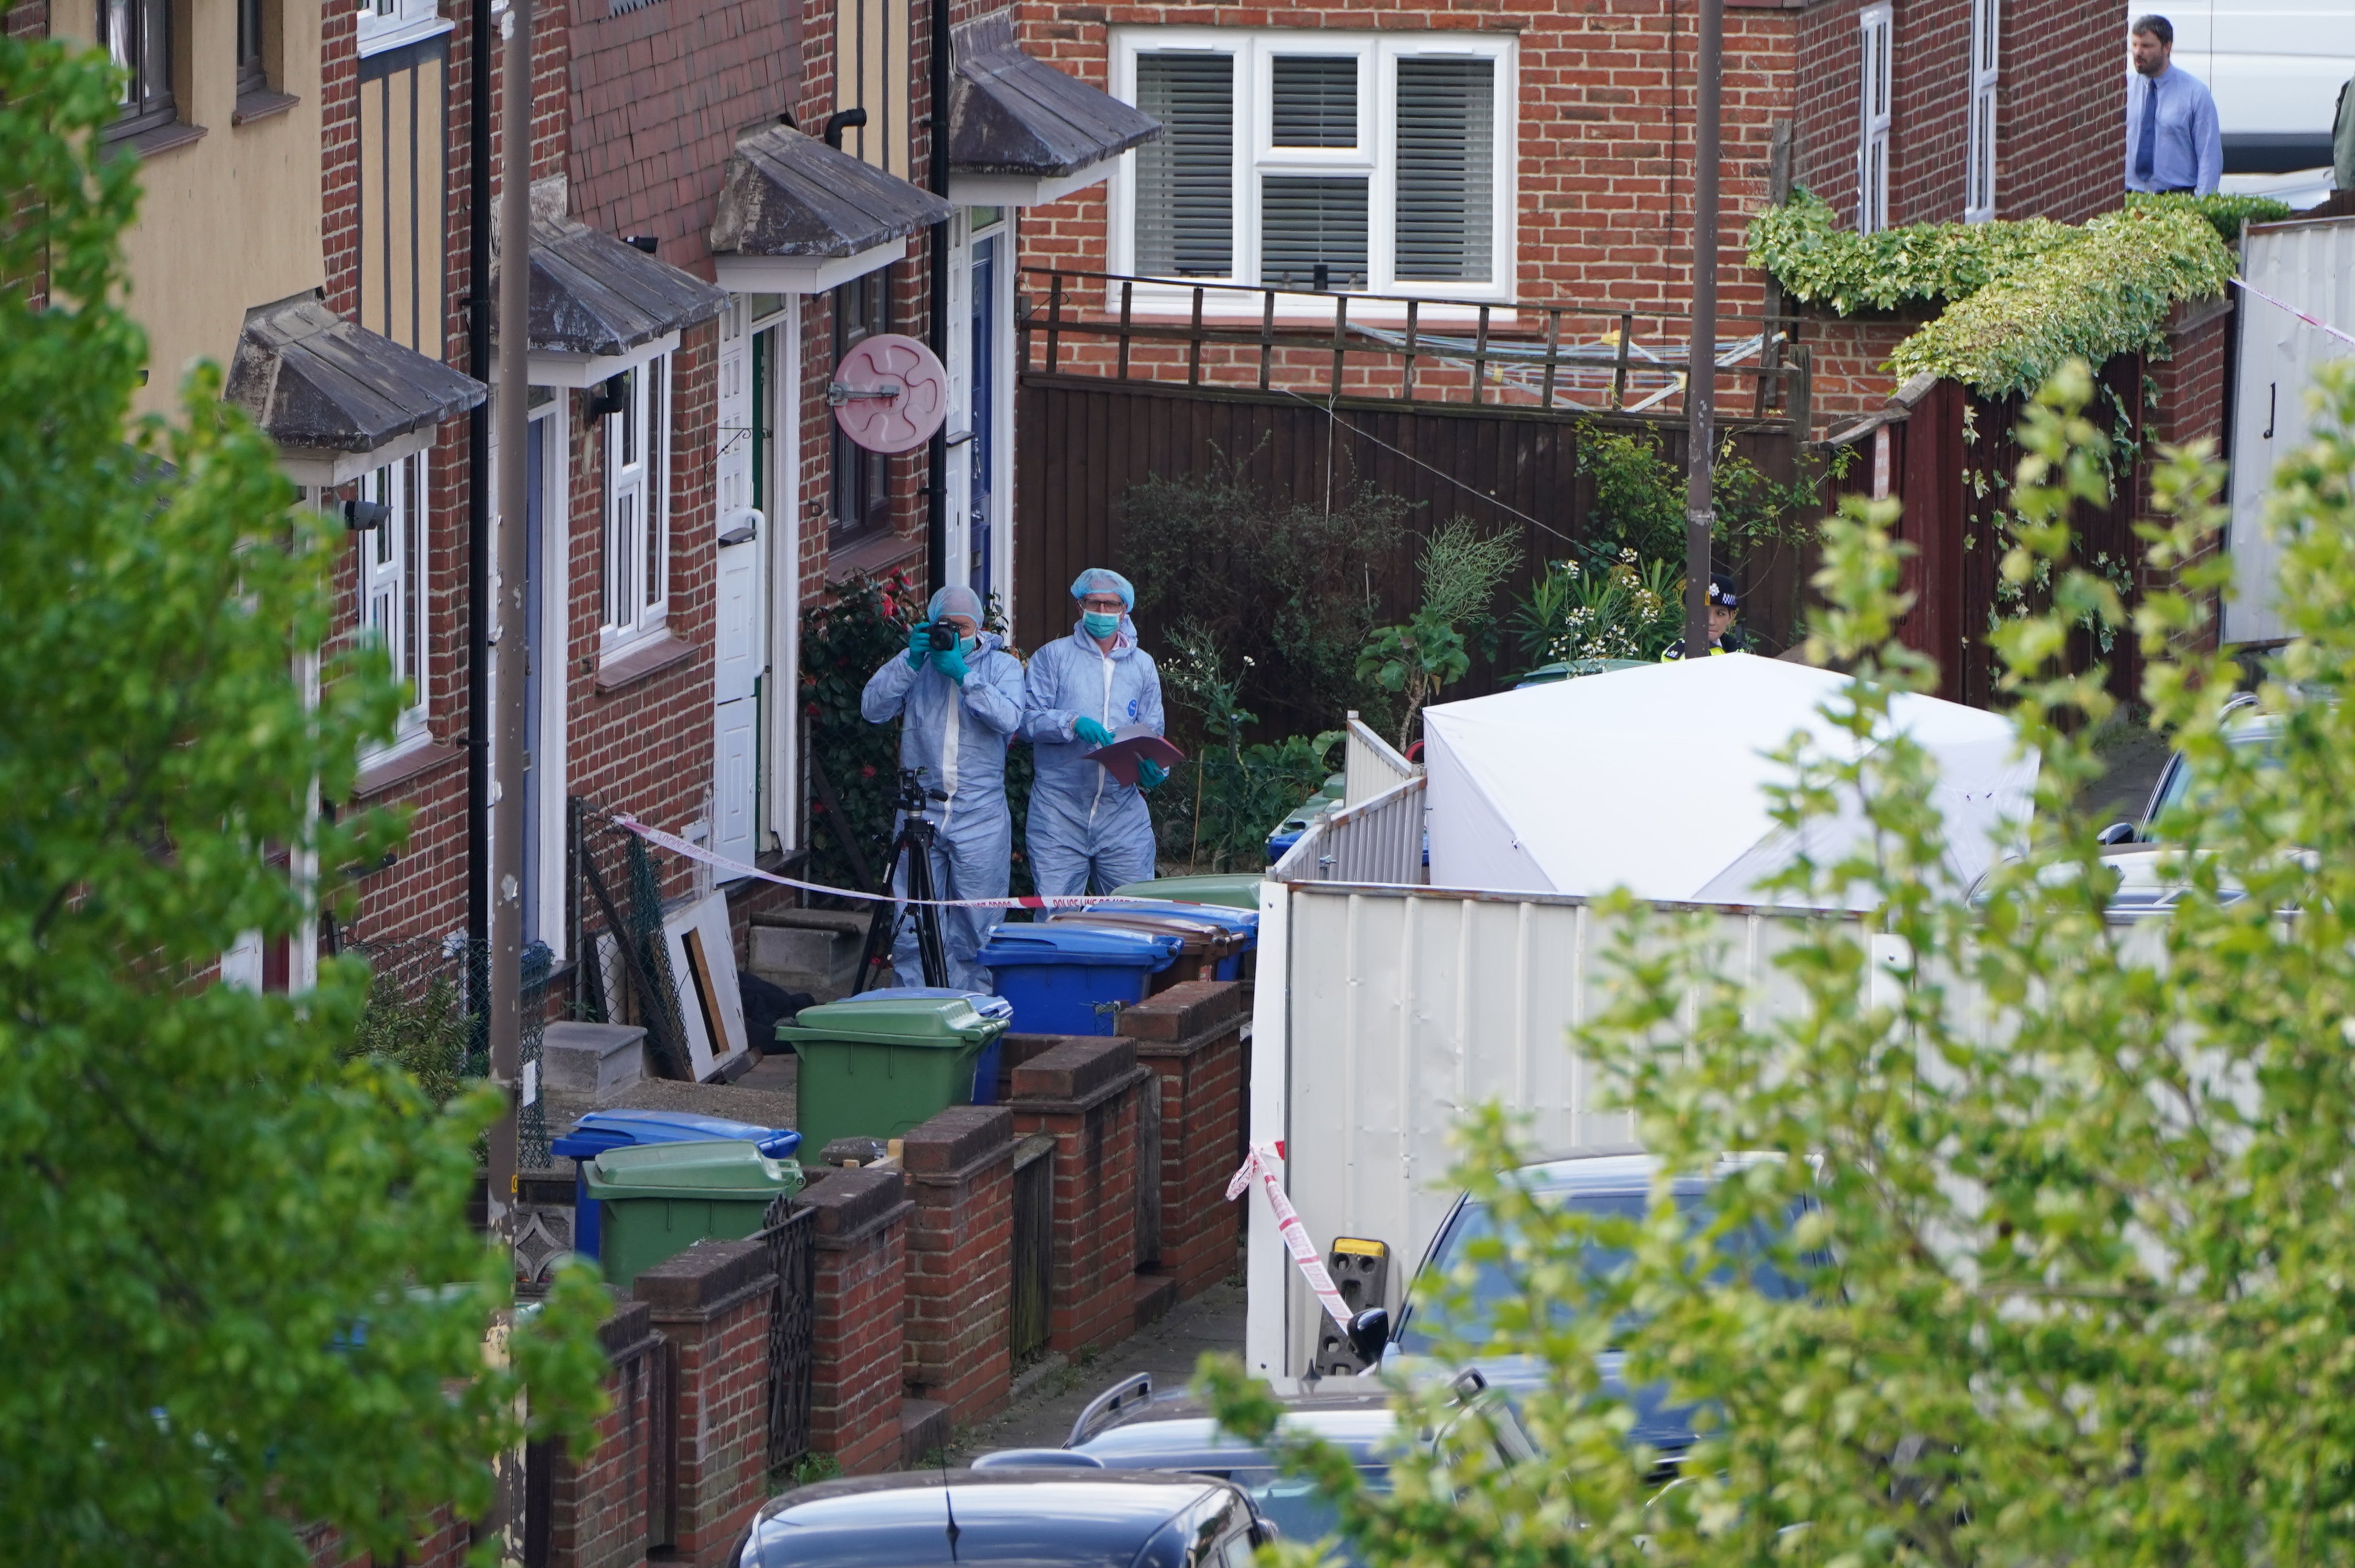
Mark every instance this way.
x=1262 y=1162
x=678 y=845
x=2248 y=288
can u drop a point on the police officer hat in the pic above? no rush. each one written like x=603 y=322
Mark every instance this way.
x=1721 y=591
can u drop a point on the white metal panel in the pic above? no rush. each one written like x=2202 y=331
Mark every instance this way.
x=1407 y=1009
x=735 y=729
x=1370 y=766
x=2311 y=266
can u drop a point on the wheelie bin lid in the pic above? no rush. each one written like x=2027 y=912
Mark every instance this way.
x=600 y=1130
x=983 y=1002
x=1234 y=919
x=1097 y=946
x=1235 y=890
x=1215 y=937
x=951 y=1019
x=714 y=1167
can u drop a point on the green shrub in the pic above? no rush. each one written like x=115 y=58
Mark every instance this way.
x=846 y=637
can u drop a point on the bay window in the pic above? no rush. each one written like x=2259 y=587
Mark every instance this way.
x=1316 y=161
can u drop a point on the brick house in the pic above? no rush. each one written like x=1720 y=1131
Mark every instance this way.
x=719 y=214
x=1493 y=151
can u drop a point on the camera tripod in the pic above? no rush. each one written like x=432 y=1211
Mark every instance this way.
x=913 y=850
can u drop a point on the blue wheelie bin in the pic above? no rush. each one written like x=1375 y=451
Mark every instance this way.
x=598 y=1132
x=1072 y=979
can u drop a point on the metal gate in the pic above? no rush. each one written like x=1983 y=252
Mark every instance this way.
x=1034 y=1259
x=789 y=1234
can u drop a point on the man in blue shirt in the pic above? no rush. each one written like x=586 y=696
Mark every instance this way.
x=2173 y=142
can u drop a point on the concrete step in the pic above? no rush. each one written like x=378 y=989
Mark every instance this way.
x=815 y=951
x=924 y=1432
x=1155 y=1294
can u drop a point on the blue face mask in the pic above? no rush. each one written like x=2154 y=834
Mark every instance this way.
x=1100 y=625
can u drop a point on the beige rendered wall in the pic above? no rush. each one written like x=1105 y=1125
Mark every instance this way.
x=231 y=220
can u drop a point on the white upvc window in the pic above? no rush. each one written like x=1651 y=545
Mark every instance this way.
x=389 y=23
x=1875 y=33
x=1978 y=171
x=1315 y=160
x=393 y=588
x=637 y=520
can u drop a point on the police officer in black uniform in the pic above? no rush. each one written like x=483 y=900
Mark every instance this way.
x=1724 y=637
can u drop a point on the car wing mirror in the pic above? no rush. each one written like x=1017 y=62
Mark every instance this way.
x=2116 y=833
x=1369 y=1334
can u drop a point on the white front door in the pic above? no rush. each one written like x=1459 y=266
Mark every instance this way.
x=738 y=644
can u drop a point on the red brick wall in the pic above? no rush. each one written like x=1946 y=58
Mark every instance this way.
x=598 y=1506
x=960 y=1171
x=2062 y=150
x=1848 y=365
x=1191 y=1035
x=2189 y=401
x=712 y=1303
x=858 y=1331
x=658 y=96
x=1084 y=1094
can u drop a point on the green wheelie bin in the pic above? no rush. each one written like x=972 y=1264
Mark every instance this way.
x=659 y=1199
x=881 y=1066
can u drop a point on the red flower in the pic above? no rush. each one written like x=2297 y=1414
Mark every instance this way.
x=811 y=710
x=867 y=771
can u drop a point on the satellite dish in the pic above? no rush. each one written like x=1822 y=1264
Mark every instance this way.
x=889 y=394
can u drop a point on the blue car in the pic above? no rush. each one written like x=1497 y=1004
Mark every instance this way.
x=1036 y=1517
x=1604 y=1184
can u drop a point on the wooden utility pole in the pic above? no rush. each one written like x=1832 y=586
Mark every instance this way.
x=512 y=413
x=1701 y=368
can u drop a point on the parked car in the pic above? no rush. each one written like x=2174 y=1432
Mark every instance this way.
x=1605 y=1182
x=1040 y=1519
x=1131 y=1427
x=2243 y=725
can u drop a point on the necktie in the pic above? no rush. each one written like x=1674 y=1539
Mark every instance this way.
x=2146 y=145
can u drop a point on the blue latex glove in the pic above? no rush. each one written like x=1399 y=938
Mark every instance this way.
x=1150 y=775
x=1094 y=734
x=919 y=645
x=952 y=665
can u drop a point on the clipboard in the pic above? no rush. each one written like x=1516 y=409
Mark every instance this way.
x=1129 y=745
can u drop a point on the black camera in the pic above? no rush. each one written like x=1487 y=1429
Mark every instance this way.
x=943 y=638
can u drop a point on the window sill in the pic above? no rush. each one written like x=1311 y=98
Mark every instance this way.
x=262 y=104
x=162 y=139
x=387 y=773
x=633 y=664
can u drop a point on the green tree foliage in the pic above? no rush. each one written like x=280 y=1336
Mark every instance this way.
x=846 y=637
x=2075 y=1259
x=1221 y=803
x=241 y=1292
x=1461 y=570
x=1292 y=588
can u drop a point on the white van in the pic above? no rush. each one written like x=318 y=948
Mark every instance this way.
x=2276 y=68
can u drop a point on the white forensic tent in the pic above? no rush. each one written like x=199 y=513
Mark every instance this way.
x=1654 y=779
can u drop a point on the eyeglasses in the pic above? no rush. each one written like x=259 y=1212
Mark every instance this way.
x=1103 y=603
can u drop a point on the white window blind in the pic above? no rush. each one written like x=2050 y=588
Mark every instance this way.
x=1447 y=138
x=1320 y=161
x=1185 y=180
x=1872 y=138
x=1978 y=173
x=637 y=532
x=392 y=598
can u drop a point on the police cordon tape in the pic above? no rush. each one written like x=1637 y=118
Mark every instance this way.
x=678 y=845
x=1262 y=1162
x=2248 y=288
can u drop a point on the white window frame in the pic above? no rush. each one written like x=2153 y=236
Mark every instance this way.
x=1253 y=51
x=1876 y=102
x=634 y=565
x=394 y=599
x=390 y=24
x=1978 y=165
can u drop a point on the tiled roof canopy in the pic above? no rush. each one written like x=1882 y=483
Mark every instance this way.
x=785 y=194
x=317 y=383
x=594 y=294
x=1011 y=114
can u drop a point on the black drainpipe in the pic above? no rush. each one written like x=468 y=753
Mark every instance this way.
x=936 y=531
x=478 y=495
